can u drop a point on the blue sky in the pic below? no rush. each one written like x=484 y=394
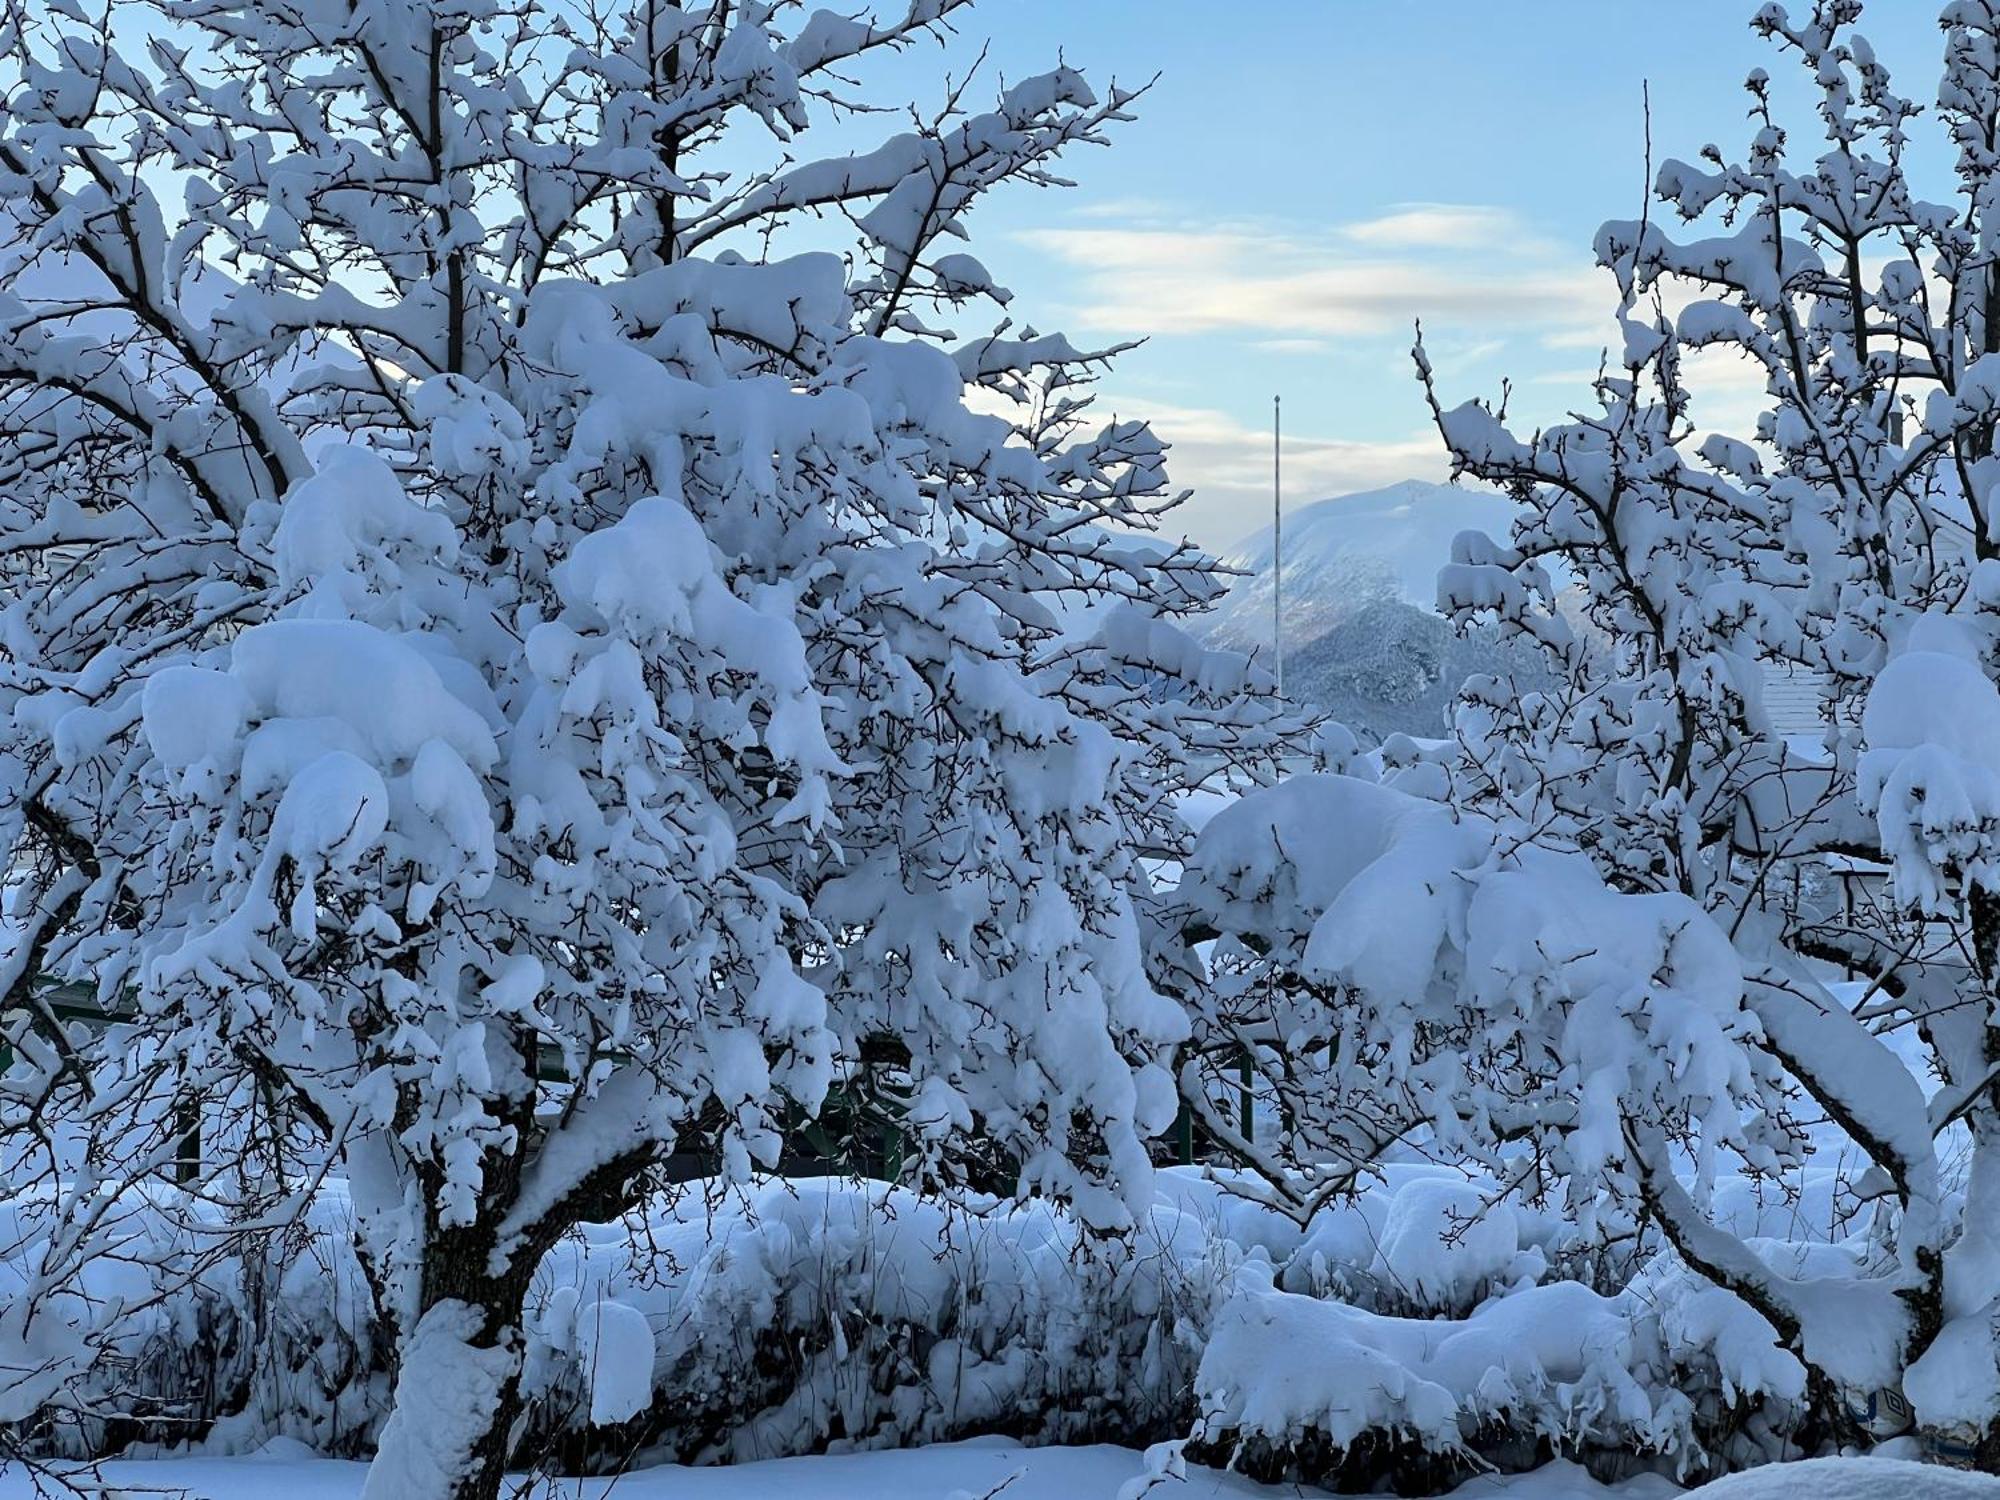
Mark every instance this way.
x=1310 y=175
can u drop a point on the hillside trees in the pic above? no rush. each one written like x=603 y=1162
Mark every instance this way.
x=509 y=672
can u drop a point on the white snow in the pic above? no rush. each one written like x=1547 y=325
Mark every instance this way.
x=614 y=1349
x=950 y=1471
x=1850 y=1479
x=1931 y=772
x=445 y=1391
x=192 y=713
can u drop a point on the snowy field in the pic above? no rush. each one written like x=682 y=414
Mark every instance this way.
x=947 y=1471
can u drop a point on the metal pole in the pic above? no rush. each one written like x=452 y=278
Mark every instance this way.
x=1277 y=553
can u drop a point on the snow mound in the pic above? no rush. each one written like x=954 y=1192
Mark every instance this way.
x=1931 y=774
x=1853 y=1479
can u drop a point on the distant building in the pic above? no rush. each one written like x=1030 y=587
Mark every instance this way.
x=1796 y=700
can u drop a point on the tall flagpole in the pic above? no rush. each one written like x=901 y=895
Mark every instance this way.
x=1277 y=553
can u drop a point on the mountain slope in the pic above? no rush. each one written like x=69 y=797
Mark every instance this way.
x=1341 y=554
x=1392 y=668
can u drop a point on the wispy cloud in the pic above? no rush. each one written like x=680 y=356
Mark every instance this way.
x=1452 y=355
x=1476 y=227
x=1129 y=210
x=1294 y=285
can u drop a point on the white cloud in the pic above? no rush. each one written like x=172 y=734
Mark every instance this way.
x=1176 y=280
x=1292 y=346
x=1442 y=226
x=1728 y=391
x=1346 y=295
x=1128 y=209
x=1228 y=465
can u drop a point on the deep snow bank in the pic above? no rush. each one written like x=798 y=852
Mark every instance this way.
x=1852 y=1479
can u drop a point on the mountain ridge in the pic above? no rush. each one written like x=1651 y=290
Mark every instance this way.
x=1345 y=551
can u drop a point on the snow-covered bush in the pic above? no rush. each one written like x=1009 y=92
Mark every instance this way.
x=518 y=660
x=733 y=1323
x=827 y=1310
x=724 y=1323
x=271 y=1334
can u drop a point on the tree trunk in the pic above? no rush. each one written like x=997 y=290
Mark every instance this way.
x=458 y=1383
x=1974 y=1261
x=457 y=1394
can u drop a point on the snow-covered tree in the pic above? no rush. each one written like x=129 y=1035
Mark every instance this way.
x=1596 y=947
x=509 y=672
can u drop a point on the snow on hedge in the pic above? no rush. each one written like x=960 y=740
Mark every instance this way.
x=736 y=1324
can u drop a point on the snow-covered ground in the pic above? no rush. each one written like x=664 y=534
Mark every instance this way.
x=948 y=1471
x=992 y=1466
x=988 y=1467
x=1850 y=1479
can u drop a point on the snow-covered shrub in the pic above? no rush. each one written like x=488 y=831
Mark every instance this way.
x=1348 y=1354
x=314 y=1358
x=724 y=1324
x=273 y=1336
x=729 y=1324
x=825 y=1311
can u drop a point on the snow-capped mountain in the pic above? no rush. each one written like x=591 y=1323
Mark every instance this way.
x=1344 y=552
